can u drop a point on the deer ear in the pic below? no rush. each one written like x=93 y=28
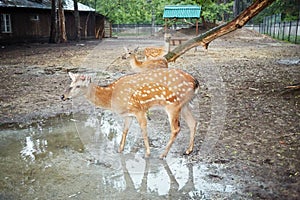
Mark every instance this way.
x=72 y=76
x=126 y=49
x=136 y=49
x=89 y=79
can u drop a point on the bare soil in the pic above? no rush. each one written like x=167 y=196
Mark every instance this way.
x=260 y=137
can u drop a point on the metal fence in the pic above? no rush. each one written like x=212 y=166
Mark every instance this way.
x=288 y=31
x=140 y=29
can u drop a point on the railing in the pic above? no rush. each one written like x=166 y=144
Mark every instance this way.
x=141 y=29
x=287 y=31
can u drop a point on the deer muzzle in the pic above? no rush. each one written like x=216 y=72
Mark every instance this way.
x=63 y=97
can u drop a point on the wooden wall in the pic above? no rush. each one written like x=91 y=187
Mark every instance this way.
x=26 y=28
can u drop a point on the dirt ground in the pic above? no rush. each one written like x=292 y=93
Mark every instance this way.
x=258 y=136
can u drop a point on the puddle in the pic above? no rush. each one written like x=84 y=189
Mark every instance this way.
x=75 y=157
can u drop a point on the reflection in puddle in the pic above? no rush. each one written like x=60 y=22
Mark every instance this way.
x=33 y=147
x=171 y=177
x=77 y=158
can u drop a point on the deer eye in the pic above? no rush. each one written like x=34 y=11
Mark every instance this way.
x=78 y=86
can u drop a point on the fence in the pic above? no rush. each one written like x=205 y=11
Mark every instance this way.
x=134 y=29
x=288 y=31
x=140 y=29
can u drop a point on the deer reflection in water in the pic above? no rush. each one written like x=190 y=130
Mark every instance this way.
x=149 y=184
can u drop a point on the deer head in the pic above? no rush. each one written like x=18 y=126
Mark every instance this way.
x=78 y=86
x=128 y=53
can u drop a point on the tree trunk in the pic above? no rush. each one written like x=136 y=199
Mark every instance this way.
x=205 y=38
x=53 y=29
x=86 y=25
x=236 y=8
x=62 y=25
x=77 y=22
x=203 y=22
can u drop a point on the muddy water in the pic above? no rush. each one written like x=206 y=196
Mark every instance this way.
x=74 y=157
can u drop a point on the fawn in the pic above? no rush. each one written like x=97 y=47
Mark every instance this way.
x=154 y=52
x=138 y=66
x=133 y=95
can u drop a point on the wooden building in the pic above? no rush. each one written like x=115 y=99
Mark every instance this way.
x=29 y=21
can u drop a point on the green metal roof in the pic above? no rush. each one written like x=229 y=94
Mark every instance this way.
x=182 y=11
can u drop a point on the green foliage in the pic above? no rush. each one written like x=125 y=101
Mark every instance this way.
x=140 y=11
x=215 y=11
x=290 y=10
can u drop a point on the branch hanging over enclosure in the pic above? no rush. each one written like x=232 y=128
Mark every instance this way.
x=205 y=38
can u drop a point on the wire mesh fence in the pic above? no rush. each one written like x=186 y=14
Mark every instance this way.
x=282 y=30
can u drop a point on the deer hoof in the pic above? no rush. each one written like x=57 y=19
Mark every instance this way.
x=162 y=156
x=188 y=152
x=147 y=155
x=120 y=150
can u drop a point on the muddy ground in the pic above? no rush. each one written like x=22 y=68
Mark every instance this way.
x=243 y=103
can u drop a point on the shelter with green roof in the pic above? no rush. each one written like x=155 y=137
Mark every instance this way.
x=182 y=12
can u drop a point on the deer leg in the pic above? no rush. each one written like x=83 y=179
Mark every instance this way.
x=191 y=122
x=142 y=120
x=127 y=124
x=173 y=115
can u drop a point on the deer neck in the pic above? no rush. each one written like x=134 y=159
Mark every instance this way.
x=100 y=96
x=134 y=62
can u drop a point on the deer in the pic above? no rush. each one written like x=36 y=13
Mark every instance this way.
x=139 y=66
x=134 y=94
x=154 y=52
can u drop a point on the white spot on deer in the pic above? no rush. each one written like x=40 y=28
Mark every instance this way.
x=180 y=85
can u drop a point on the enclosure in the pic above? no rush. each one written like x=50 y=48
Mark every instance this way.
x=247 y=140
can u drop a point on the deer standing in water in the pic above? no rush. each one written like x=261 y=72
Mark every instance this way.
x=139 y=66
x=133 y=95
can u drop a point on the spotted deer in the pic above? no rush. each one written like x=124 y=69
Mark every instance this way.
x=154 y=52
x=133 y=95
x=139 y=66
